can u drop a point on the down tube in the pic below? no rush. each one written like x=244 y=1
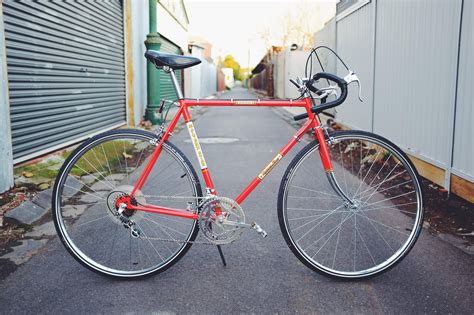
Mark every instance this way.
x=257 y=180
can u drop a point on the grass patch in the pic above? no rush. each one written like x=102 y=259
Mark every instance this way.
x=47 y=168
x=107 y=155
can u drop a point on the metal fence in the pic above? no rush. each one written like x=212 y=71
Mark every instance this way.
x=413 y=60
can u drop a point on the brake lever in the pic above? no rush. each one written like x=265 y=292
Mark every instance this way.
x=323 y=95
x=327 y=91
x=352 y=77
x=299 y=84
x=298 y=80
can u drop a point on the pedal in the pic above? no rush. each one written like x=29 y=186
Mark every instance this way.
x=259 y=230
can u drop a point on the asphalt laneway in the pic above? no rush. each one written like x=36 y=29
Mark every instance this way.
x=262 y=275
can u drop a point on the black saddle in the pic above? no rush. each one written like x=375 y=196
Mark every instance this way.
x=173 y=61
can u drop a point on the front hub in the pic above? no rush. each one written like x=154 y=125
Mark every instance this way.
x=354 y=207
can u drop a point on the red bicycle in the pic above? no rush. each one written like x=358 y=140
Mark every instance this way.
x=128 y=203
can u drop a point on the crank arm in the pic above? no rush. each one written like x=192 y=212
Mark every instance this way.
x=238 y=224
x=254 y=226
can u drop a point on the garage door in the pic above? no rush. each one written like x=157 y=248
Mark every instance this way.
x=66 y=72
x=167 y=91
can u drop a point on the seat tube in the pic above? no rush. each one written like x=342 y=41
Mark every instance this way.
x=197 y=149
x=176 y=84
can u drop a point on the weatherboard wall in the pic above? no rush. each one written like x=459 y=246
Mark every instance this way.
x=415 y=75
x=355 y=45
x=463 y=152
x=414 y=61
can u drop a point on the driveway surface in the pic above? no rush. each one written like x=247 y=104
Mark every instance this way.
x=262 y=275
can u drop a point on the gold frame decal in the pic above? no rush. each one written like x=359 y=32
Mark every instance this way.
x=245 y=102
x=270 y=166
x=197 y=146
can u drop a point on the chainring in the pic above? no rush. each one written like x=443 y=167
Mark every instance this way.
x=220 y=228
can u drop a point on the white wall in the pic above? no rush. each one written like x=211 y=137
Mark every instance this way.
x=294 y=67
x=228 y=77
x=355 y=45
x=278 y=60
x=288 y=65
x=326 y=37
x=140 y=27
x=6 y=155
x=463 y=160
x=169 y=27
x=416 y=75
x=208 y=78
x=196 y=73
x=200 y=80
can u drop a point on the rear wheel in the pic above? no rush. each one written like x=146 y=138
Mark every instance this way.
x=104 y=169
x=342 y=240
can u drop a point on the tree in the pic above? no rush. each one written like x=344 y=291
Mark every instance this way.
x=298 y=24
x=229 y=62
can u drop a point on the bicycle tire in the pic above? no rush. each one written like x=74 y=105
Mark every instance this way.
x=143 y=140
x=320 y=260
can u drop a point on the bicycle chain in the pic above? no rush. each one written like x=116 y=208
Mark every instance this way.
x=177 y=197
x=170 y=240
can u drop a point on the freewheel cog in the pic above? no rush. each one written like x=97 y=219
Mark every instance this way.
x=119 y=192
x=221 y=220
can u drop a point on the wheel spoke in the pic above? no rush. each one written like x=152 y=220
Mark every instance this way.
x=343 y=168
x=156 y=234
x=315 y=226
x=108 y=183
x=146 y=237
x=316 y=191
x=389 y=207
x=94 y=220
x=164 y=226
x=371 y=165
x=332 y=231
x=385 y=200
x=361 y=238
x=365 y=245
x=319 y=198
x=387 y=226
x=85 y=192
x=384 y=181
x=104 y=241
x=314 y=216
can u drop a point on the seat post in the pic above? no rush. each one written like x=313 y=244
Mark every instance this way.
x=176 y=85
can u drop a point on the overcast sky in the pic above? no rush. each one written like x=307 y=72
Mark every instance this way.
x=234 y=26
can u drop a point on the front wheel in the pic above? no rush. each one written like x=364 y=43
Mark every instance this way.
x=134 y=243
x=358 y=240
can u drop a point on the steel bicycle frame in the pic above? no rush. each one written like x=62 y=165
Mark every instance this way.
x=184 y=104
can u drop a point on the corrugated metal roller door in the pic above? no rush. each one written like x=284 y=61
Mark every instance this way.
x=166 y=86
x=65 y=70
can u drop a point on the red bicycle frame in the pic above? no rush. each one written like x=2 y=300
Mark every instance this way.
x=184 y=104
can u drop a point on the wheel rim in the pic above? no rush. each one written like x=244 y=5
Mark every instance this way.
x=361 y=240
x=95 y=176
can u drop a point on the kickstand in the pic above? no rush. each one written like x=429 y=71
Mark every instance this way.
x=222 y=255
